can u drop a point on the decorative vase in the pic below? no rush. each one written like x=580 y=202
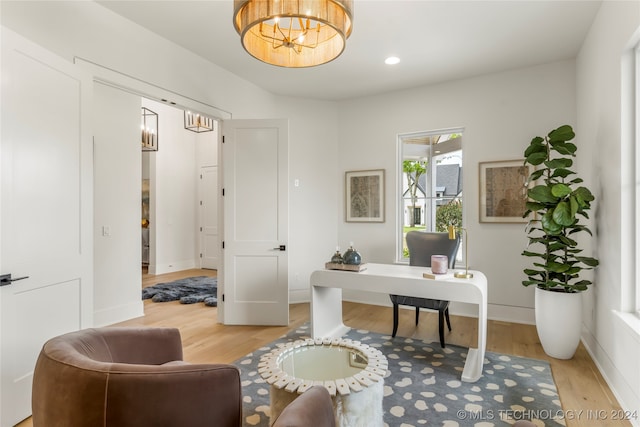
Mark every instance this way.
x=559 y=322
x=352 y=257
x=337 y=258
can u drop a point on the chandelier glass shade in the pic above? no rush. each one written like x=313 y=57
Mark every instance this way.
x=293 y=33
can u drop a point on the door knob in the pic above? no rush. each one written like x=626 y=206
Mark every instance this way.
x=6 y=279
x=280 y=248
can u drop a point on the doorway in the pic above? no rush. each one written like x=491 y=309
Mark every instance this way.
x=175 y=193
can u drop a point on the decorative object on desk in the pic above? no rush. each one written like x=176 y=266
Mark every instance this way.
x=503 y=191
x=351 y=256
x=439 y=264
x=197 y=123
x=149 y=128
x=345 y=267
x=423 y=383
x=452 y=235
x=364 y=193
x=337 y=257
x=556 y=204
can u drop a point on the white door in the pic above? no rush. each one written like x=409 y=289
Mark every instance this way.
x=254 y=281
x=209 y=238
x=46 y=211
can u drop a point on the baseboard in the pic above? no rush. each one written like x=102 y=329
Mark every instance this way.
x=170 y=267
x=299 y=296
x=121 y=313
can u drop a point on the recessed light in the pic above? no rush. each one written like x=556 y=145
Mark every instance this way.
x=392 y=60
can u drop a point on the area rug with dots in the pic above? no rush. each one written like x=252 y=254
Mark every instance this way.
x=423 y=385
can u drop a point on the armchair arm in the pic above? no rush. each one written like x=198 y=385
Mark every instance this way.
x=312 y=408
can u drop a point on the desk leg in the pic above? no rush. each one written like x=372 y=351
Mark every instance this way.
x=475 y=357
x=326 y=313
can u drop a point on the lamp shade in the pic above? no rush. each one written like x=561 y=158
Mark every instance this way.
x=293 y=33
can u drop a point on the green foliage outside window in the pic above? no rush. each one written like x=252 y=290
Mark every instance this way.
x=449 y=214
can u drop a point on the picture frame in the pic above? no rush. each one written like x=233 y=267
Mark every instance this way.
x=364 y=196
x=503 y=191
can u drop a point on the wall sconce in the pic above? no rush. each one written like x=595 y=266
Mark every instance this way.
x=452 y=235
x=197 y=123
x=149 y=128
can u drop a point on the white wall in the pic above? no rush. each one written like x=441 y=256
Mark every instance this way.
x=313 y=153
x=500 y=114
x=174 y=193
x=606 y=161
x=117 y=190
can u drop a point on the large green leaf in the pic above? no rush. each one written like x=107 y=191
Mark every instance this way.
x=560 y=163
x=560 y=190
x=562 y=214
x=557 y=267
x=564 y=148
x=536 y=158
x=534 y=206
x=535 y=146
x=583 y=196
x=532 y=254
x=532 y=282
x=562 y=173
x=574 y=206
x=537 y=174
x=563 y=133
x=591 y=262
x=549 y=225
x=542 y=193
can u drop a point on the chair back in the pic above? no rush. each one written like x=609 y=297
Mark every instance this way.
x=424 y=244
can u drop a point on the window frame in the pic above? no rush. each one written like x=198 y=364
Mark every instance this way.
x=635 y=124
x=430 y=178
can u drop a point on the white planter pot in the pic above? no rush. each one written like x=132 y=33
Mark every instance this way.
x=559 y=322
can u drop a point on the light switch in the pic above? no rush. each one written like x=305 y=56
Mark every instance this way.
x=106 y=231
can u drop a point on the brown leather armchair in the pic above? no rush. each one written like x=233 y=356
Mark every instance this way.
x=314 y=408
x=126 y=377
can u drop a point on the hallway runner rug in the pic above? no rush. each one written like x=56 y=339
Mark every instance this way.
x=423 y=385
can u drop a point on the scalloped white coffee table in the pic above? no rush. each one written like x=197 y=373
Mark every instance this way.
x=352 y=371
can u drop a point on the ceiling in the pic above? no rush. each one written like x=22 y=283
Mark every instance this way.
x=437 y=41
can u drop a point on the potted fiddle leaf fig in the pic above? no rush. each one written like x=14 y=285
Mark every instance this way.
x=556 y=205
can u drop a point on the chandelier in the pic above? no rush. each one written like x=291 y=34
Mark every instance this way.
x=197 y=123
x=293 y=33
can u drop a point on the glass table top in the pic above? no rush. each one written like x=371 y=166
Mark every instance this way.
x=321 y=363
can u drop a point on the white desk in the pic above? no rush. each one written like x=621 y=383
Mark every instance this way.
x=326 y=299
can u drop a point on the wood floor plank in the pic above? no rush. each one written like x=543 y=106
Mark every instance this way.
x=580 y=384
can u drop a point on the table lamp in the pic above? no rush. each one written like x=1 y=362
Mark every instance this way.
x=452 y=235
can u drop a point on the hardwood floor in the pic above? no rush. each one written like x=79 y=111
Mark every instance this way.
x=580 y=385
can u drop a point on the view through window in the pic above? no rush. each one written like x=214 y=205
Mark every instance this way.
x=430 y=183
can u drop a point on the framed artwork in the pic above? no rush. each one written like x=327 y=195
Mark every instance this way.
x=364 y=191
x=503 y=191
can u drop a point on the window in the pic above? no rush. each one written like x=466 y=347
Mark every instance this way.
x=430 y=183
